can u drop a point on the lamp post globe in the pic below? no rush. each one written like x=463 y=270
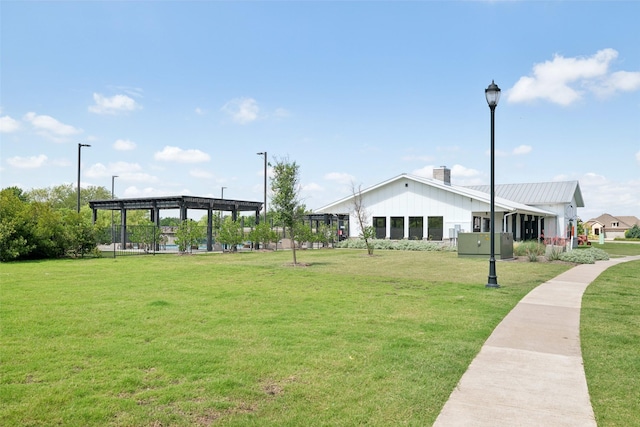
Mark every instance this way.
x=492 y=94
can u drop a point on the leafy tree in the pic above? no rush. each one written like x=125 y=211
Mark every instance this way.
x=146 y=234
x=189 y=234
x=263 y=234
x=326 y=234
x=285 y=188
x=65 y=196
x=15 y=225
x=80 y=232
x=170 y=222
x=633 y=232
x=367 y=232
x=231 y=233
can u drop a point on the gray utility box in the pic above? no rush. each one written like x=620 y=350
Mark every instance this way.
x=479 y=244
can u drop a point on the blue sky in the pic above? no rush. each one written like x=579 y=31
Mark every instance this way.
x=178 y=97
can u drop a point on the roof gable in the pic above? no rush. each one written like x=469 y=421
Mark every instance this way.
x=500 y=202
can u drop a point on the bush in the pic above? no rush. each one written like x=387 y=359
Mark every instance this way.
x=585 y=256
x=399 y=245
x=529 y=249
x=633 y=232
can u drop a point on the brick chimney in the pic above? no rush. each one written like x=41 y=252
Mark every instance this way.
x=442 y=174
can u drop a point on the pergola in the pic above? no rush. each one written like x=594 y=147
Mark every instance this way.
x=183 y=203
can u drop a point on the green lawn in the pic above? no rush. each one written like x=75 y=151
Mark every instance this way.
x=610 y=337
x=244 y=339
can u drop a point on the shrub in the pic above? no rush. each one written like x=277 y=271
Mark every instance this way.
x=633 y=232
x=400 y=245
x=528 y=249
x=585 y=256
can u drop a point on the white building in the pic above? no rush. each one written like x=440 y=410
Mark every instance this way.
x=413 y=207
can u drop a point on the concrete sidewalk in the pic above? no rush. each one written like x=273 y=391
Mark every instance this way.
x=529 y=372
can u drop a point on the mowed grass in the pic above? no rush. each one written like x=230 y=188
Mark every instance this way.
x=244 y=339
x=610 y=338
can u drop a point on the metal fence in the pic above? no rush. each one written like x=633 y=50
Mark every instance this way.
x=142 y=240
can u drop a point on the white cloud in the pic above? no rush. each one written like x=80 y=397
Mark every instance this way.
x=7 y=124
x=461 y=171
x=339 y=177
x=426 y=171
x=51 y=128
x=561 y=80
x=115 y=104
x=199 y=111
x=242 y=110
x=130 y=172
x=620 y=81
x=602 y=195
x=522 y=149
x=200 y=173
x=312 y=187
x=124 y=145
x=134 y=191
x=32 y=162
x=175 y=154
x=124 y=170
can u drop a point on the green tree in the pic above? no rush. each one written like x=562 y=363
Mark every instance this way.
x=633 y=232
x=263 y=234
x=146 y=234
x=285 y=187
x=15 y=225
x=80 y=232
x=170 y=222
x=231 y=233
x=65 y=196
x=326 y=234
x=189 y=234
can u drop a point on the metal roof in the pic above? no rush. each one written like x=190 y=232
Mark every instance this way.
x=502 y=203
x=541 y=193
x=176 y=202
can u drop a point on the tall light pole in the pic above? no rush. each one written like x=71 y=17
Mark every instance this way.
x=264 y=153
x=79 y=148
x=222 y=192
x=113 y=230
x=492 y=93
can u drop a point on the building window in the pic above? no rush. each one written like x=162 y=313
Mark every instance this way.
x=380 y=224
x=435 y=227
x=614 y=224
x=476 y=224
x=416 y=227
x=397 y=227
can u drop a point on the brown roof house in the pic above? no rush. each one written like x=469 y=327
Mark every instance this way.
x=611 y=226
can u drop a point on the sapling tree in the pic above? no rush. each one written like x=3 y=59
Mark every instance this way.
x=285 y=200
x=367 y=232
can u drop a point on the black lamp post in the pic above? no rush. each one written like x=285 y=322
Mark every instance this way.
x=492 y=93
x=265 y=184
x=79 y=148
x=113 y=230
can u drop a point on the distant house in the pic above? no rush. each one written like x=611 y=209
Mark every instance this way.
x=413 y=207
x=611 y=226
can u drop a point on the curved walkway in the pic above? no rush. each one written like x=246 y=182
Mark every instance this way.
x=529 y=371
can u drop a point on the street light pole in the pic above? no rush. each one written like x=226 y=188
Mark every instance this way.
x=79 y=148
x=113 y=231
x=264 y=153
x=492 y=93
x=222 y=192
